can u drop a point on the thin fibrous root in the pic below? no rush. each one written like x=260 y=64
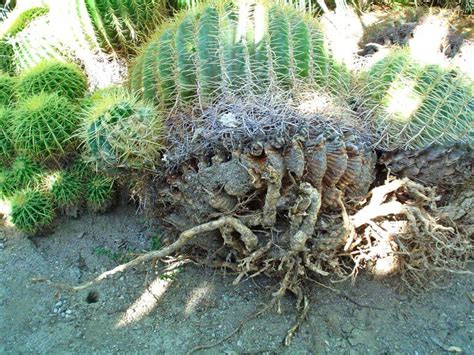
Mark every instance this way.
x=248 y=238
x=301 y=317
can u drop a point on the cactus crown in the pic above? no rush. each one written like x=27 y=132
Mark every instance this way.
x=120 y=131
x=221 y=47
x=31 y=210
x=414 y=106
x=43 y=125
x=120 y=25
x=52 y=76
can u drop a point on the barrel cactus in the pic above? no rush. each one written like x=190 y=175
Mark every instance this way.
x=7 y=51
x=99 y=192
x=25 y=18
x=414 y=106
x=24 y=172
x=43 y=125
x=230 y=48
x=53 y=76
x=121 y=131
x=7 y=90
x=121 y=25
x=6 y=144
x=65 y=187
x=31 y=210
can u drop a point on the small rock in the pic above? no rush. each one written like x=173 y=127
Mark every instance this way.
x=55 y=310
x=68 y=311
x=58 y=304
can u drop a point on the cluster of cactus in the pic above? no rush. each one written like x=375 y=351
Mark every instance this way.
x=7 y=51
x=121 y=25
x=42 y=125
x=39 y=115
x=120 y=131
x=34 y=194
x=52 y=76
x=414 y=106
x=39 y=110
x=220 y=48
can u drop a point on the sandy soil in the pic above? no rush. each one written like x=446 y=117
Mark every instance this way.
x=142 y=312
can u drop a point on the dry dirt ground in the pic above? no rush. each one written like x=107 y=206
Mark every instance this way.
x=141 y=312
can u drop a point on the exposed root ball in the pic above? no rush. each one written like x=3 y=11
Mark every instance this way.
x=267 y=190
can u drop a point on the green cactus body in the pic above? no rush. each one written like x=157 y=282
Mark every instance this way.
x=65 y=187
x=6 y=144
x=467 y=6
x=221 y=48
x=43 y=126
x=7 y=90
x=65 y=79
x=31 y=210
x=120 y=131
x=7 y=189
x=121 y=25
x=7 y=51
x=99 y=192
x=415 y=106
x=25 y=18
x=24 y=172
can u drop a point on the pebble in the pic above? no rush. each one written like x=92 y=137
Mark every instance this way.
x=58 y=304
x=68 y=311
x=55 y=310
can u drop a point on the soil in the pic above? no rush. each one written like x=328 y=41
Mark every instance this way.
x=139 y=311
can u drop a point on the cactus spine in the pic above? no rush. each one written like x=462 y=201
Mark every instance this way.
x=220 y=48
x=120 y=25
